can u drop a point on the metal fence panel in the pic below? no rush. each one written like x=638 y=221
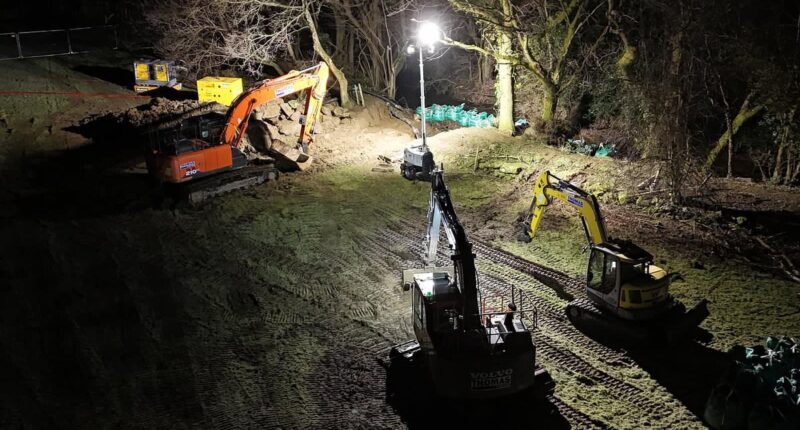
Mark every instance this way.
x=44 y=43
x=8 y=46
x=47 y=43
x=92 y=38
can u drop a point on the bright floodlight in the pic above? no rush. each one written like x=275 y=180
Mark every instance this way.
x=428 y=34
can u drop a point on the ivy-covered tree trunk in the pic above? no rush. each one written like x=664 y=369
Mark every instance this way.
x=549 y=103
x=746 y=112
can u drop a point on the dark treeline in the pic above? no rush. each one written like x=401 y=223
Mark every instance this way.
x=708 y=86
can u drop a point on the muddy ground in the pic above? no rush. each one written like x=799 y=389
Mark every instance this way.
x=275 y=306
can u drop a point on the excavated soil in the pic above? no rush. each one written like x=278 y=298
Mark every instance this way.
x=274 y=307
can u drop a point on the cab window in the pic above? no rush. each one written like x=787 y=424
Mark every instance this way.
x=602 y=271
x=595 y=275
x=609 y=274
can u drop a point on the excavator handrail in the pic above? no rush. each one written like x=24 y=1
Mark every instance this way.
x=237 y=118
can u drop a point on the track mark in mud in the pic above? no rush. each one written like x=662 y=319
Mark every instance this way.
x=576 y=418
x=363 y=311
x=278 y=317
x=556 y=338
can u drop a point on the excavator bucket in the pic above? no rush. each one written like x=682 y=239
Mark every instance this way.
x=684 y=326
x=291 y=155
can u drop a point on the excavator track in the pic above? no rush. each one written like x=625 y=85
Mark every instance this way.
x=576 y=418
x=195 y=192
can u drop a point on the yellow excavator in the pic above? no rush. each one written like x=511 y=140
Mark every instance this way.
x=628 y=296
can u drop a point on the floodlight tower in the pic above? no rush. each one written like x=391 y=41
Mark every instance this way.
x=417 y=159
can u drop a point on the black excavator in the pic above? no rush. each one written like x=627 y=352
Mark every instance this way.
x=475 y=345
x=628 y=296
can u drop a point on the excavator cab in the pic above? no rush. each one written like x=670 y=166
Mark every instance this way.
x=622 y=278
x=491 y=359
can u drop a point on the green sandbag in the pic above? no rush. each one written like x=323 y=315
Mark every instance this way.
x=447 y=112
x=435 y=113
x=604 y=151
x=471 y=115
x=454 y=113
x=463 y=119
x=474 y=119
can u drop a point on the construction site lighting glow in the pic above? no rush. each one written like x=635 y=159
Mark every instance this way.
x=428 y=34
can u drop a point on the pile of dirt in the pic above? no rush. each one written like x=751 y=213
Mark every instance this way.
x=276 y=121
x=281 y=118
x=161 y=109
x=159 y=113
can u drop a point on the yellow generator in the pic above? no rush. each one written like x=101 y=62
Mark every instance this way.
x=219 y=89
x=150 y=75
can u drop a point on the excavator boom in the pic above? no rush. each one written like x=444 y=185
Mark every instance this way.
x=441 y=211
x=549 y=187
x=313 y=80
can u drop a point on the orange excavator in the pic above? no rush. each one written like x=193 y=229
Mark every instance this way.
x=188 y=153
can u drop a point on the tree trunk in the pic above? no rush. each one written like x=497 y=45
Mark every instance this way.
x=341 y=54
x=504 y=92
x=484 y=69
x=745 y=114
x=549 y=103
x=625 y=60
x=776 y=172
x=677 y=132
x=730 y=144
x=504 y=89
x=319 y=49
x=351 y=49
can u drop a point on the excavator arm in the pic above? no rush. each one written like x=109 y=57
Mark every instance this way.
x=441 y=212
x=312 y=80
x=547 y=188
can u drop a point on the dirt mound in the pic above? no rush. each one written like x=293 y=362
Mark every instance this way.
x=161 y=109
x=129 y=124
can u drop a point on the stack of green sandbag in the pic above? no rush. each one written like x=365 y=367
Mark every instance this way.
x=762 y=391
x=581 y=146
x=465 y=118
